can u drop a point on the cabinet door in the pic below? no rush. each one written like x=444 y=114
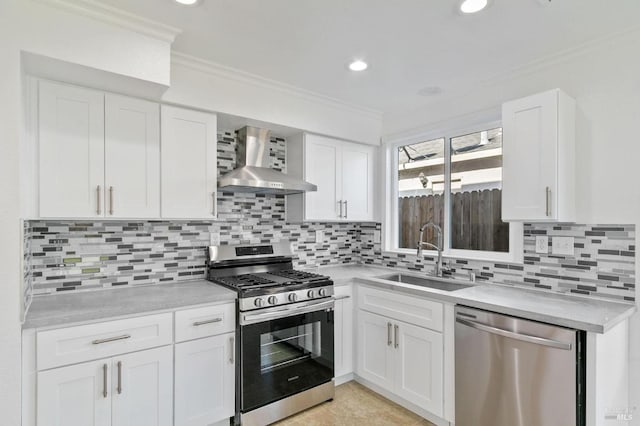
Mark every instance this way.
x=205 y=380
x=375 y=349
x=71 y=151
x=358 y=162
x=142 y=384
x=322 y=168
x=79 y=395
x=530 y=155
x=189 y=169
x=343 y=341
x=132 y=157
x=419 y=365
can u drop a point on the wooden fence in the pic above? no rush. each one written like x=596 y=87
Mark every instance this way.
x=476 y=222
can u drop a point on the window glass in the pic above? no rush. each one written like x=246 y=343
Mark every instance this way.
x=476 y=193
x=421 y=186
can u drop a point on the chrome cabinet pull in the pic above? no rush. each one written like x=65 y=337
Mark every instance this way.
x=346 y=296
x=215 y=203
x=388 y=334
x=111 y=200
x=548 y=194
x=396 y=337
x=104 y=380
x=111 y=339
x=340 y=204
x=98 y=192
x=199 y=323
x=119 y=377
x=346 y=211
x=233 y=349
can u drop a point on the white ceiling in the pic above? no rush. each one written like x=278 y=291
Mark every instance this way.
x=409 y=44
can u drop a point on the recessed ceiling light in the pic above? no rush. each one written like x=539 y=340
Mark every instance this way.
x=187 y=2
x=358 y=65
x=430 y=91
x=473 y=6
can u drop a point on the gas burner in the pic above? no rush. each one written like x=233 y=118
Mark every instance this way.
x=246 y=280
x=295 y=275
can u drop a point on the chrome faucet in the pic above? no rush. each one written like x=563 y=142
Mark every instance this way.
x=437 y=270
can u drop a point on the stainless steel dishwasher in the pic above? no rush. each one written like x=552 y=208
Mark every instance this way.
x=516 y=372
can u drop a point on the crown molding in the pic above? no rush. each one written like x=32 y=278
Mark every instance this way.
x=225 y=72
x=564 y=56
x=111 y=15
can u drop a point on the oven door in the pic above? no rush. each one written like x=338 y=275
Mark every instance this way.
x=285 y=351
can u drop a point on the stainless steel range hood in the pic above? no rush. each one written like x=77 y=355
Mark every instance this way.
x=253 y=174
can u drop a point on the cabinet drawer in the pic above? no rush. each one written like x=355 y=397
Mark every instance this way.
x=411 y=309
x=87 y=342
x=202 y=322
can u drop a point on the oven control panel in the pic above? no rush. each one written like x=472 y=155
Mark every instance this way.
x=284 y=298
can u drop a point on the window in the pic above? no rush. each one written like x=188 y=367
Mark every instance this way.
x=454 y=181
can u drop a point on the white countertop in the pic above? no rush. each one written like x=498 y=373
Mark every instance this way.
x=594 y=315
x=88 y=306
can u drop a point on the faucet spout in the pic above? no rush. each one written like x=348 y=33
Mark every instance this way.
x=439 y=246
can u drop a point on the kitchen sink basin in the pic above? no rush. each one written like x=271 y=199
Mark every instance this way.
x=424 y=282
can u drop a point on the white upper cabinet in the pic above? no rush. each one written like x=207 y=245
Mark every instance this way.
x=132 y=157
x=99 y=155
x=71 y=151
x=539 y=158
x=344 y=174
x=189 y=163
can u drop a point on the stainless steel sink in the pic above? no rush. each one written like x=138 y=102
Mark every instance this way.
x=424 y=282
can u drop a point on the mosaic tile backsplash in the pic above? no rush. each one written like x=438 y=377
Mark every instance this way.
x=84 y=255
x=603 y=264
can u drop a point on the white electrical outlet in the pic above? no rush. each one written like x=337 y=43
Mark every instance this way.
x=542 y=244
x=214 y=239
x=562 y=245
x=376 y=237
x=319 y=236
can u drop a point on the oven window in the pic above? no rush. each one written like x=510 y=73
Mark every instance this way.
x=279 y=348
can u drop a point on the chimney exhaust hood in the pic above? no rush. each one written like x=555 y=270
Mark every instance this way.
x=253 y=174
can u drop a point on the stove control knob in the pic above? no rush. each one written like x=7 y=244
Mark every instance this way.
x=272 y=300
x=259 y=302
x=322 y=292
x=311 y=294
x=293 y=297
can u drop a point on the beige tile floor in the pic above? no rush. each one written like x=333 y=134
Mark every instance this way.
x=355 y=405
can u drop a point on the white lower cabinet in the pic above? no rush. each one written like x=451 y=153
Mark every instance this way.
x=404 y=359
x=419 y=366
x=75 y=395
x=205 y=380
x=134 y=381
x=133 y=389
x=343 y=333
x=142 y=388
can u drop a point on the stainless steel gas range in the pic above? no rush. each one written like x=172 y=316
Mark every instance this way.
x=285 y=331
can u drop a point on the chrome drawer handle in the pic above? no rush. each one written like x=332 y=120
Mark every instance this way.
x=548 y=209
x=98 y=195
x=342 y=297
x=389 y=334
x=232 y=350
x=111 y=339
x=198 y=323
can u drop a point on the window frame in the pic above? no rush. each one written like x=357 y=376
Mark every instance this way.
x=390 y=242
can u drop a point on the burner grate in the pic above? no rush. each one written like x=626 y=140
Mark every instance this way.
x=246 y=280
x=296 y=275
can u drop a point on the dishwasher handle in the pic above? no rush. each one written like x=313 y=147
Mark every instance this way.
x=513 y=335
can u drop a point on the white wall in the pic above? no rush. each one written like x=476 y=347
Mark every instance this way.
x=208 y=86
x=604 y=80
x=35 y=27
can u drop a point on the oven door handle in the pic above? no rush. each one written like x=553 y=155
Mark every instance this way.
x=249 y=318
